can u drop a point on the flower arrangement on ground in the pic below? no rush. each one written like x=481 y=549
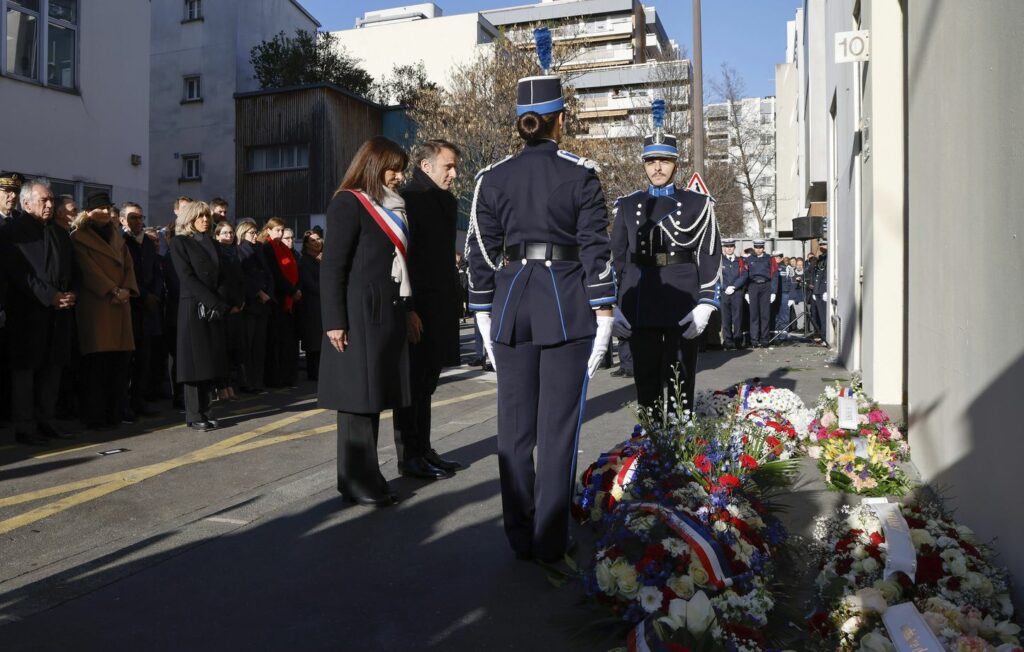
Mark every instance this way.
x=753 y=398
x=963 y=598
x=863 y=459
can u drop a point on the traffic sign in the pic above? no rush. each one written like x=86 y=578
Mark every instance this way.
x=697 y=185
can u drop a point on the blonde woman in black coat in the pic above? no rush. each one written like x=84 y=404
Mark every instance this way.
x=364 y=365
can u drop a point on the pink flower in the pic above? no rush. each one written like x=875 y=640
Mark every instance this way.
x=862 y=419
x=878 y=416
x=828 y=419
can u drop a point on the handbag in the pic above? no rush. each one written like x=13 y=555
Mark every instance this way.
x=208 y=314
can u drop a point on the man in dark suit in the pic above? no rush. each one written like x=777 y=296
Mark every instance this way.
x=146 y=308
x=10 y=186
x=435 y=303
x=39 y=262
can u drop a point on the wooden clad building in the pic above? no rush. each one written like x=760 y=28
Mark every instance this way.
x=293 y=146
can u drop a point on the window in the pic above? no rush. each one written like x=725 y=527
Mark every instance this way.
x=193 y=10
x=277 y=157
x=193 y=92
x=31 y=39
x=190 y=169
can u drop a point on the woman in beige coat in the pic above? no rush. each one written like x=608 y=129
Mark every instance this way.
x=103 y=313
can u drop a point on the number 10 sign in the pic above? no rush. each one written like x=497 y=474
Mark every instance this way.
x=853 y=46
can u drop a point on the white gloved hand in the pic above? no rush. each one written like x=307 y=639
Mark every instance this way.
x=790 y=303
x=746 y=297
x=771 y=299
x=730 y=289
x=601 y=342
x=824 y=297
x=483 y=323
x=623 y=328
x=697 y=320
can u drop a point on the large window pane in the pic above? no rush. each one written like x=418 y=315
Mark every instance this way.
x=27 y=4
x=60 y=56
x=22 y=44
x=64 y=10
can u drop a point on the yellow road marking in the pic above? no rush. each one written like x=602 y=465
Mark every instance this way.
x=102 y=485
x=69 y=449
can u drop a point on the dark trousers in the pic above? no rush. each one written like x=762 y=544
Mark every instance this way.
x=625 y=355
x=34 y=397
x=197 y=401
x=254 y=348
x=358 y=468
x=141 y=360
x=760 y=312
x=732 y=318
x=657 y=353
x=313 y=365
x=821 y=307
x=5 y=378
x=282 y=362
x=412 y=423
x=105 y=379
x=541 y=394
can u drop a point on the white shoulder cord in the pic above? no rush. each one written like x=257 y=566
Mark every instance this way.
x=474 y=229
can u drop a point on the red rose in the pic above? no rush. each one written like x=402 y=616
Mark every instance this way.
x=953 y=584
x=929 y=569
x=877 y=538
x=748 y=462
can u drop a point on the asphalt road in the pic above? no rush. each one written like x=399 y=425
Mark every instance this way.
x=237 y=539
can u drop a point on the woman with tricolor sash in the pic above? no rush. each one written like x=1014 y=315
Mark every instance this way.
x=363 y=284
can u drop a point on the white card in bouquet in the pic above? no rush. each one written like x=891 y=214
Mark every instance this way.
x=848 y=413
x=908 y=630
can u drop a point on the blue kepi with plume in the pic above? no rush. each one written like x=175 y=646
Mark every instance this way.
x=543 y=93
x=659 y=144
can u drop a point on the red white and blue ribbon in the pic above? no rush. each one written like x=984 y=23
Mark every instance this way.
x=390 y=223
x=644 y=638
x=846 y=391
x=701 y=543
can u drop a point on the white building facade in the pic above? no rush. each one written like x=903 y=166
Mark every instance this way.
x=923 y=201
x=199 y=60
x=74 y=100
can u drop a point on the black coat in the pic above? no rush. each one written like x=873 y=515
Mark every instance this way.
x=146 y=314
x=232 y=279
x=257 y=277
x=202 y=345
x=311 y=326
x=39 y=261
x=436 y=293
x=359 y=295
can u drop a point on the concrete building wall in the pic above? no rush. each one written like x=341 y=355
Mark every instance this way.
x=787 y=143
x=815 y=53
x=88 y=136
x=217 y=48
x=966 y=247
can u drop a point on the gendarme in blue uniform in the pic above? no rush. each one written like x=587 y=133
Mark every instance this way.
x=734 y=274
x=763 y=275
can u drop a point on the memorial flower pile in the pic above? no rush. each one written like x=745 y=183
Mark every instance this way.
x=862 y=456
x=749 y=398
x=962 y=596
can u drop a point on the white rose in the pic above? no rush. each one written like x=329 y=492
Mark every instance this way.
x=871 y=599
x=851 y=625
x=625 y=579
x=870 y=565
x=875 y=642
x=936 y=621
x=858 y=552
x=683 y=586
x=890 y=590
x=1005 y=604
x=699 y=614
x=966 y=533
x=699 y=575
x=650 y=599
x=958 y=567
x=921 y=537
x=605 y=579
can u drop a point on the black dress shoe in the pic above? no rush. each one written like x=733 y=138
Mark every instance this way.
x=476 y=362
x=488 y=366
x=419 y=467
x=440 y=462
x=145 y=411
x=128 y=417
x=622 y=373
x=49 y=431
x=31 y=439
x=370 y=499
x=201 y=426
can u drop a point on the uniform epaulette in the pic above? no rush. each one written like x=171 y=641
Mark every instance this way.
x=713 y=200
x=576 y=159
x=492 y=166
x=624 y=197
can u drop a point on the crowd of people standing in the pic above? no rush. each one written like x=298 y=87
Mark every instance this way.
x=102 y=316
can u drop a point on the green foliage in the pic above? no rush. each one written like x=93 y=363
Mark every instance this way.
x=307 y=58
x=404 y=85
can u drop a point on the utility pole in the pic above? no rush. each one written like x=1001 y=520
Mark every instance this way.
x=697 y=100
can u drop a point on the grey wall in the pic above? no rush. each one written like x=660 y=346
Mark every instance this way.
x=966 y=248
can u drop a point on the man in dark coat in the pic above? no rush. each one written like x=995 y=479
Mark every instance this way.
x=39 y=262
x=146 y=308
x=435 y=303
x=10 y=186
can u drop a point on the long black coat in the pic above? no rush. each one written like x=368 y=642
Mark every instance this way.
x=202 y=345
x=359 y=295
x=39 y=260
x=436 y=292
x=146 y=315
x=311 y=323
x=257 y=277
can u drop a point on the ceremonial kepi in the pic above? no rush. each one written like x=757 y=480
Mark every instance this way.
x=659 y=144
x=542 y=93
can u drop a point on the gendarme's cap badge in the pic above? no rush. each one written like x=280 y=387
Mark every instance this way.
x=543 y=93
x=659 y=144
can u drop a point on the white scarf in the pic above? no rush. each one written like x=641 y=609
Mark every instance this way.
x=399 y=269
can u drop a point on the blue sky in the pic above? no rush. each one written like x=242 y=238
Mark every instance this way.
x=748 y=34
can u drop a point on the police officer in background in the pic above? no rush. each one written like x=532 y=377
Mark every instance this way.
x=667 y=251
x=734 y=277
x=543 y=210
x=819 y=290
x=763 y=273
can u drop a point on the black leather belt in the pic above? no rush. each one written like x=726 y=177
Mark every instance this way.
x=663 y=260
x=542 y=251
x=759 y=280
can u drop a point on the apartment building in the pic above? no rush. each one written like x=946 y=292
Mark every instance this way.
x=199 y=60
x=75 y=103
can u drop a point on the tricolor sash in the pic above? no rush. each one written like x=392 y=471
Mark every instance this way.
x=391 y=223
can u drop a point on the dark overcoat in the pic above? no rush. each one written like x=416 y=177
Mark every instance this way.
x=202 y=345
x=146 y=317
x=39 y=260
x=436 y=293
x=257 y=277
x=358 y=294
x=311 y=326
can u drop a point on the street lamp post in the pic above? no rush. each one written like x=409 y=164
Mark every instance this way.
x=697 y=105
